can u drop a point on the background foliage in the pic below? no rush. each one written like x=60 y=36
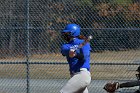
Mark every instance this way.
x=114 y=24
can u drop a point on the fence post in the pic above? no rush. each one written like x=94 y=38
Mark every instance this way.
x=27 y=47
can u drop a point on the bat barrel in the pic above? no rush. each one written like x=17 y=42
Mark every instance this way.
x=90 y=37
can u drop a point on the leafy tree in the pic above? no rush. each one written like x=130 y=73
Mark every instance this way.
x=122 y=2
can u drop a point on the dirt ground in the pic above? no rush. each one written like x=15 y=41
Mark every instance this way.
x=106 y=56
x=59 y=71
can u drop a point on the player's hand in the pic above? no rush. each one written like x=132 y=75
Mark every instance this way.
x=72 y=53
x=111 y=87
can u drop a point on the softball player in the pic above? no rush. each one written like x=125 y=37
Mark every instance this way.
x=112 y=87
x=78 y=59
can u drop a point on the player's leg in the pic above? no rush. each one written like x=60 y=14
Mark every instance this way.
x=86 y=90
x=78 y=83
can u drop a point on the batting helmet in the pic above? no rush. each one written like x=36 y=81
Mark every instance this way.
x=74 y=29
x=138 y=69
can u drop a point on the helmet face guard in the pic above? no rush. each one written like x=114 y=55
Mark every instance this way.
x=66 y=36
x=138 y=75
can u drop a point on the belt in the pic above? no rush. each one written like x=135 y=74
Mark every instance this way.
x=83 y=69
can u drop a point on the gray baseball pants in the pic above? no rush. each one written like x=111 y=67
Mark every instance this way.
x=78 y=82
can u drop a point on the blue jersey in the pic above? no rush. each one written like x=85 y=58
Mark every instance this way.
x=74 y=63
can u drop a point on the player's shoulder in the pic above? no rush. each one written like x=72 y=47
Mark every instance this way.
x=78 y=41
x=65 y=46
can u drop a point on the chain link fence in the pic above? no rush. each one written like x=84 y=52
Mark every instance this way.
x=30 y=40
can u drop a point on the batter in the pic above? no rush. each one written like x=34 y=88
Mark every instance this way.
x=78 y=59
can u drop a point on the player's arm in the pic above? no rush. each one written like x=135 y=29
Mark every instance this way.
x=73 y=54
x=111 y=87
x=129 y=84
x=84 y=52
x=65 y=50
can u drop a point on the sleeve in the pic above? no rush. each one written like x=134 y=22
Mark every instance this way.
x=65 y=50
x=79 y=56
x=86 y=50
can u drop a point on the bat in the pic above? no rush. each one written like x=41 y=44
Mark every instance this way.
x=86 y=41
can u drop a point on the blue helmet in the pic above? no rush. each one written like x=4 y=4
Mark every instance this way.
x=74 y=29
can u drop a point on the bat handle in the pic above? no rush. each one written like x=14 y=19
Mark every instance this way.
x=90 y=37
